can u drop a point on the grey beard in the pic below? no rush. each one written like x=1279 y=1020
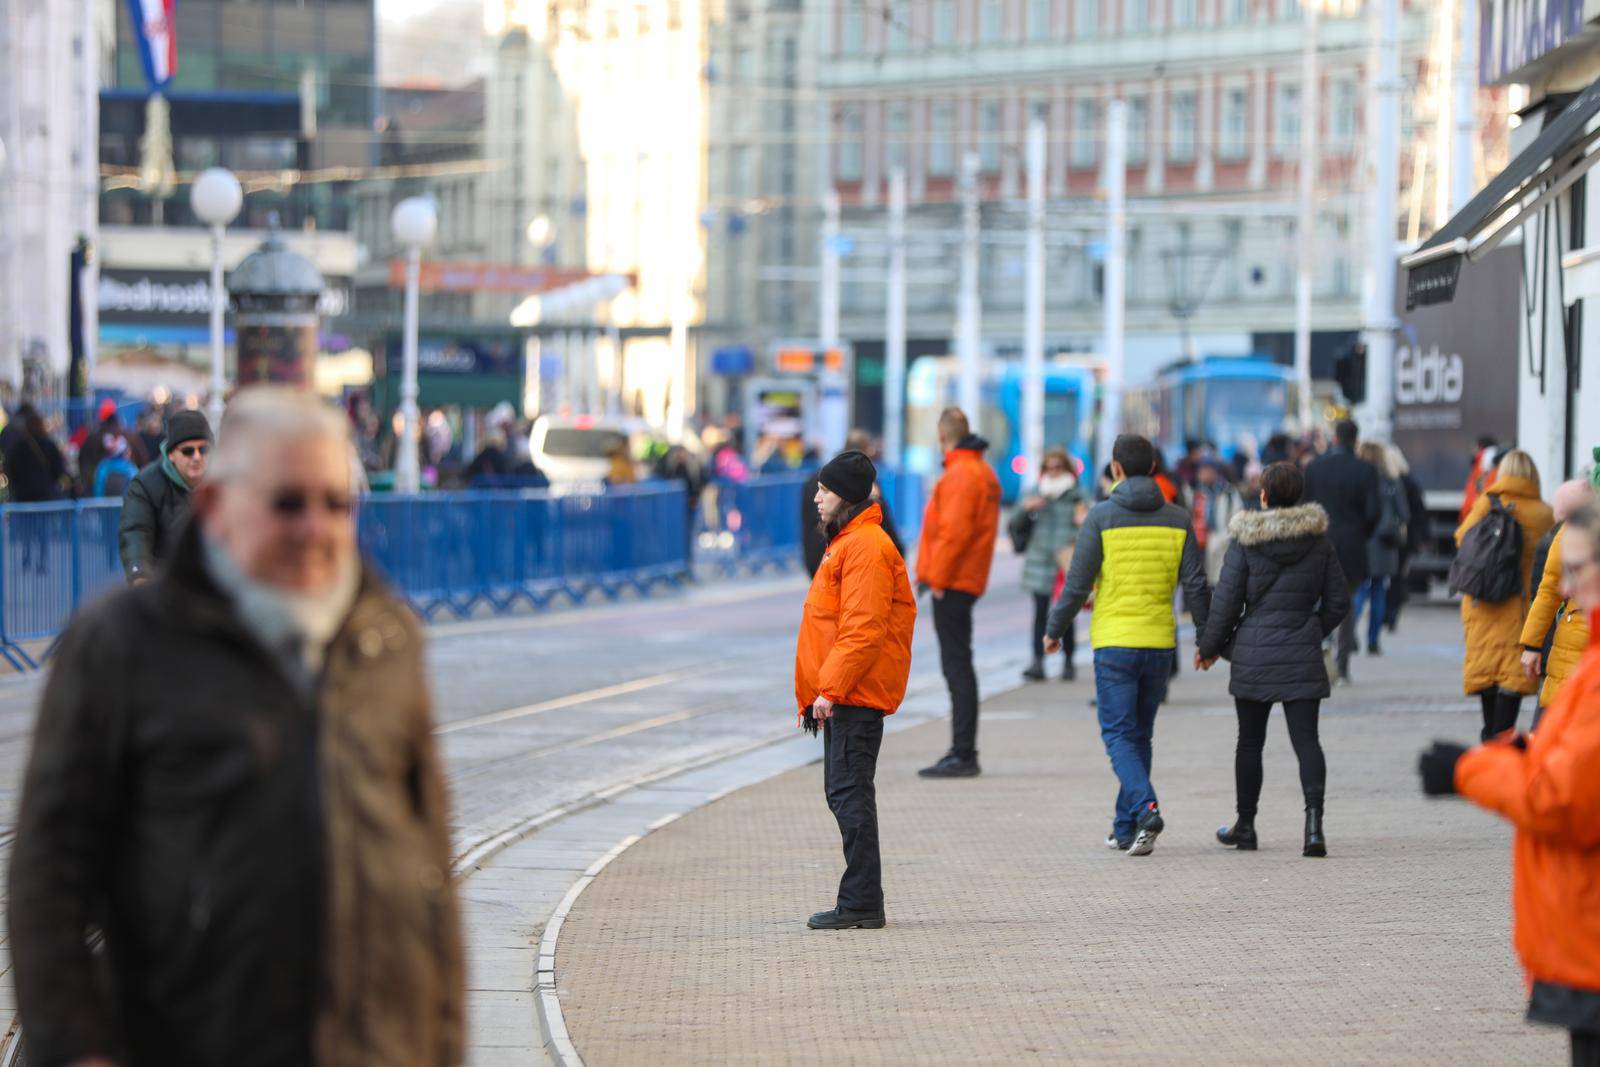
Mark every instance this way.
x=283 y=619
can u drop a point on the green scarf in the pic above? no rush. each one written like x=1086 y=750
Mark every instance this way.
x=170 y=471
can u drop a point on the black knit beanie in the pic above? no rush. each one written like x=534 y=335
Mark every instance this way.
x=850 y=475
x=186 y=425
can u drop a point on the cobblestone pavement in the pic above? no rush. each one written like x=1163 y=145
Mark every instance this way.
x=1015 y=936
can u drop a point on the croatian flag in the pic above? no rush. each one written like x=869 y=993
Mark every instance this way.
x=157 y=34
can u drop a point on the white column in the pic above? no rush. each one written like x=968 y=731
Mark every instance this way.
x=969 y=302
x=1305 y=231
x=1206 y=140
x=1116 y=187
x=1379 y=294
x=1033 y=308
x=828 y=299
x=894 y=348
x=219 y=299
x=1463 y=173
x=1258 y=129
x=407 y=471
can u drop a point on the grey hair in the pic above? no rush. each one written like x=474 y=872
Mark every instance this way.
x=263 y=413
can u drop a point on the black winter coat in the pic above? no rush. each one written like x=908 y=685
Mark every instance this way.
x=153 y=512
x=36 y=469
x=1280 y=595
x=1347 y=489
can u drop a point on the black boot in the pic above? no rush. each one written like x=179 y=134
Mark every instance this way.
x=1035 y=671
x=1487 y=699
x=1507 y=706
x=1316 y=843
x=1241 y=835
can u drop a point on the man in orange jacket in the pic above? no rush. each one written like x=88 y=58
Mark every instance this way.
x=1547 y=785
x=953 y=560
x=850 y=669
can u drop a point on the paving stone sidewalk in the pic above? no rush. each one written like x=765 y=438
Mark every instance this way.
x=1015 y=936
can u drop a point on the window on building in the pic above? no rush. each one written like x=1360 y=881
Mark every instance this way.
x=991 y=15
x=852 y=26
x=1235 y=11
x=989 y=120
x=1286 y=120
x=944 y=22
x=898 y=30
x=1086 y=18
x=942 y=140
x=1235 y=124
x=851 y=131
x=1138 y=129
x=1291 y=9
x=897 y=127
x=1085 y=132
x=1342 y=121
x=1039 y=18
x=1183 y=13
x=1136 y=16
x=1181 y=128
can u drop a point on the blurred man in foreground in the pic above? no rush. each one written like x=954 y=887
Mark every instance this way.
x=234 y=778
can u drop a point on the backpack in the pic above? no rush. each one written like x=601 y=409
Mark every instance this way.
x=112 y=476
x=1488 y=565
x=1391 y=530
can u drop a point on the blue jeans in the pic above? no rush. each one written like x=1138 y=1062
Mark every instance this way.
x=1130 y=684
x=1377 y=591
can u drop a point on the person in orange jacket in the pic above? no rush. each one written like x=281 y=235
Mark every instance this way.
x=953 y=561
x=1547 y=784
x=850 y=670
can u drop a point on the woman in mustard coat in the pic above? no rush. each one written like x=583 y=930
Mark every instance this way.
x=1492 y=670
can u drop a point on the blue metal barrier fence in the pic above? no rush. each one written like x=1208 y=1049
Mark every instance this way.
x=451 y=553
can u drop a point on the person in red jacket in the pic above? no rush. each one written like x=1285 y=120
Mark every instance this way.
x=953 y=561
x=850 y=670
x=1547 y=785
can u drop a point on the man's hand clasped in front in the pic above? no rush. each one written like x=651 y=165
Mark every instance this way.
x=821 y=709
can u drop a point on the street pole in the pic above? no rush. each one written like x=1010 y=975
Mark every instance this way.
x=1463 y=175
x=1033 y=310
x=407 y=465
x=1116 y=189
x=968 y=302
x=89 y=166
x=1377 y=333
x=894 y=358
x=1306 y=228
x=828 y=298
x=219 y=300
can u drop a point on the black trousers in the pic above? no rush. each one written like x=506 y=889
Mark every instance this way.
x=1347 y=634
x=1041 y=616
x=1302 y=719
x=1585 y=1049
x=1500 y=711
x=952 y=621
x=850 y=743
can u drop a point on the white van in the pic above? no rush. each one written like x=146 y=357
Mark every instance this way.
x=576 y=450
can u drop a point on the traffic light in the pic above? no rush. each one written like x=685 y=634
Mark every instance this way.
x=1350 y=371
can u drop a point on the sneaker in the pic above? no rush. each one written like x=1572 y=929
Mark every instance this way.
x=845 y=919
x=1113 y=842
x=1150 y=826
x=952 y=766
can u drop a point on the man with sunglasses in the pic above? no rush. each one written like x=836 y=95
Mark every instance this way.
x=234 y=778
x=157 y=501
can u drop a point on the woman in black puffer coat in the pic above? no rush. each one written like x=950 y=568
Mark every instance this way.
x=1280 y=595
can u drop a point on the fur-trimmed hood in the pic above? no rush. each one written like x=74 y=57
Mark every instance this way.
x=1256 y=528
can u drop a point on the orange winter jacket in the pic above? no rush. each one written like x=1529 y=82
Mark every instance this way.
x=855 y=634
x=960 y=523
x=1551 y=793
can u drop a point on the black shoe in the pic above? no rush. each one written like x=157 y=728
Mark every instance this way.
x=1373 y=649
x=845 y=919
x=952 y=766
x=1241 y=835
x=1069 y=673
x=1035 y=671
x=1316 y=843
x=1150 y=826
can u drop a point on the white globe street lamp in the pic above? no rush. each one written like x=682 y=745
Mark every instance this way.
x=539 y=231
x=216 y=198
x=413 y=223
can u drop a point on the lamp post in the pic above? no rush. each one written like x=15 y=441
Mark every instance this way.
x=413 y=222
x=216 y=198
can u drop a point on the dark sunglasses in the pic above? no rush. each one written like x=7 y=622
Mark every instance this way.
x=292 y=503
x=191 y=451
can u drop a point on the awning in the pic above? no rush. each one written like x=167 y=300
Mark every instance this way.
x=1556 y=159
